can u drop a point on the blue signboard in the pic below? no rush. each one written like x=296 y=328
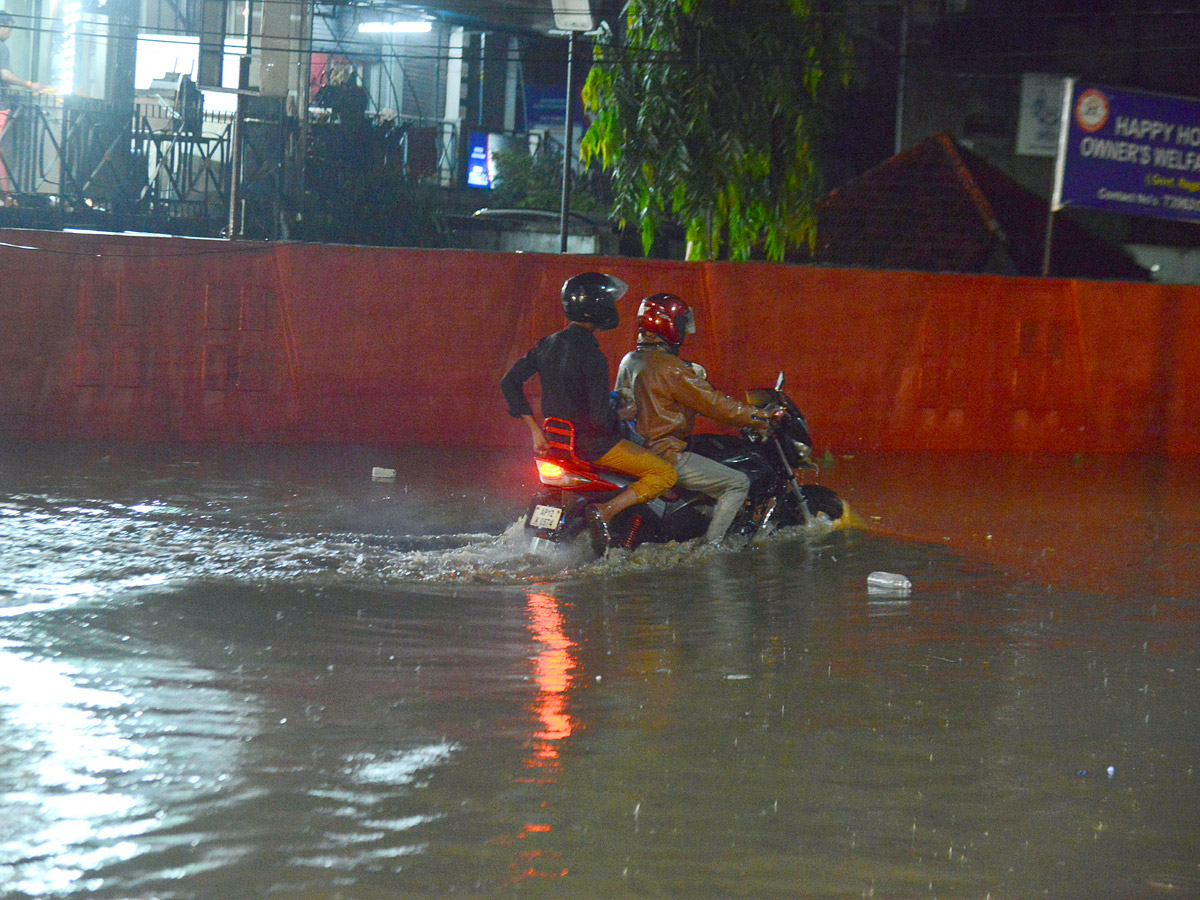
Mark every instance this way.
x=545 y=107
x=1130 y=152
x=479 y=161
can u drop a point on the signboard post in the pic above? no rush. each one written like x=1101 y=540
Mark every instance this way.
x=1059 y=161
x=1126 y=152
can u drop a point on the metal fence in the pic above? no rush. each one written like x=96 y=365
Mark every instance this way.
x=167 y=167
x=85 y=158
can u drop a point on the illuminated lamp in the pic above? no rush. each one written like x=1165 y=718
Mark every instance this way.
x=395 y=27
x=553 y=474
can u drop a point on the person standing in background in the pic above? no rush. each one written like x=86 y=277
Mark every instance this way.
x=7 y=78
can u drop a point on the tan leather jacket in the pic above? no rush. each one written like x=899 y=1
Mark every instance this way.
x=669 y=393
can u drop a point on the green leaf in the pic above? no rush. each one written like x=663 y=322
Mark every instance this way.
x=706 y=113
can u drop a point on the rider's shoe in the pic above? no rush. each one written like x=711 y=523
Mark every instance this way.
x=597 y=530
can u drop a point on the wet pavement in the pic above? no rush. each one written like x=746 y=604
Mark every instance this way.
x=258 y=673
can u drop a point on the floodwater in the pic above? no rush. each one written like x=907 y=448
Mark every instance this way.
x=257 y=673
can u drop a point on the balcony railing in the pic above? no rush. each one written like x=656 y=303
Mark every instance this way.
x=77 y=160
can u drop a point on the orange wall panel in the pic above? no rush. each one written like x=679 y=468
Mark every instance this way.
x=150 y=339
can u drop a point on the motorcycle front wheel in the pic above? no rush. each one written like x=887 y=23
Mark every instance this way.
x=821 y=499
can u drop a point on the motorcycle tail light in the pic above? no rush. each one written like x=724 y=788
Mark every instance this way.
x=555 y=475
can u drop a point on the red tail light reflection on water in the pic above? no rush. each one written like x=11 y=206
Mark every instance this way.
x=552 y=672
x=553 y=669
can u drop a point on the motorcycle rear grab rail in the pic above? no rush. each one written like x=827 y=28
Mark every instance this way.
x=560 y=467
x=560 y=435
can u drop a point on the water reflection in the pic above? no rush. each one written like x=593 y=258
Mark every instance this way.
x=218 y=682
x=1107 y=524
x=553 y=669
x=63 y=820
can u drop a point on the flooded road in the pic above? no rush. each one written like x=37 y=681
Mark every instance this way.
x=259 y=674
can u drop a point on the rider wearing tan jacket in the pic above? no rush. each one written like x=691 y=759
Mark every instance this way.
x=669 y=393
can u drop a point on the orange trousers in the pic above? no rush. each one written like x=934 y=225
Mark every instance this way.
x=654 y=474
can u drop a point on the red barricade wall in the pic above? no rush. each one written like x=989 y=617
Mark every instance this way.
x=158 y=339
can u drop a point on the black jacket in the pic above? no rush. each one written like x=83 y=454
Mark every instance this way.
x=575 y=387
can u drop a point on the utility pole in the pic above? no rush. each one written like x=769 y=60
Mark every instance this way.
x=119 y=91
x=573 y=17
x=901 y=75
x=568 y=143
x=235 y=133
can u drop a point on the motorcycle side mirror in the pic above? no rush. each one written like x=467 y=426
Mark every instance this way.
x=779 y=382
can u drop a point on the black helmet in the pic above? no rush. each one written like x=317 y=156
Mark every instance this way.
x=592 y=298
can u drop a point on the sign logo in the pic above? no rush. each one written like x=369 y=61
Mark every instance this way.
x=1091 y=110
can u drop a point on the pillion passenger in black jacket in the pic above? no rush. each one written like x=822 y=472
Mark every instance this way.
x=575 y=387
x=574 y=376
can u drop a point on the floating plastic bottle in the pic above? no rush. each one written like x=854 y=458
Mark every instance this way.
x=888 y=583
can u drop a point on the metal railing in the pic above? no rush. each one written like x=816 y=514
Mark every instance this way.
x=169 y=169
x=79 y=155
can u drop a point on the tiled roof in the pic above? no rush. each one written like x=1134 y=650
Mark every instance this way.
x=939 y=208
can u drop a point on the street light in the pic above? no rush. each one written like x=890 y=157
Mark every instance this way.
x=573 y=17
x=402 y=27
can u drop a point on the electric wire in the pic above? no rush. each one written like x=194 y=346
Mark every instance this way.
x=223 y=251
x=368 y=47
x=479 y=12
x=372 y=50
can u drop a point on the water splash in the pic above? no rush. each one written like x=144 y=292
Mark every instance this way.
x=60 y=553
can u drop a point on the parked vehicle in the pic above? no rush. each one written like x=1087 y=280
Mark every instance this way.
x=776 y=498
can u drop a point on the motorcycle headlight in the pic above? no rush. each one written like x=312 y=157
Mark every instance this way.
x=805 y=453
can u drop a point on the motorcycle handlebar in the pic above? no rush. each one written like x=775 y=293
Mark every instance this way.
x=775 y=419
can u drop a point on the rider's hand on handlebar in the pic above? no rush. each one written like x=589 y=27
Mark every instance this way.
x=761 y=423
x=767 y=420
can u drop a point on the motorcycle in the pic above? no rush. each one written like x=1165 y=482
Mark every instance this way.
x=776 y=498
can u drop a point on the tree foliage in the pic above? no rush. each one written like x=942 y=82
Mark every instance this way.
x=358 y=189
x=535 y=182
x=709 y=112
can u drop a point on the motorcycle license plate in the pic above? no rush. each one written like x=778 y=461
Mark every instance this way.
x=547 y=517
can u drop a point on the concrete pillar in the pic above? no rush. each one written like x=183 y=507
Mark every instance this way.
x=282 y=48
x=512 y=84
x=493 y=82
x=123 y=19
x=209 y=21
x=454 y=73
x=451 y=130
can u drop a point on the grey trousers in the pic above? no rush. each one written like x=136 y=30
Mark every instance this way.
x=725 y=485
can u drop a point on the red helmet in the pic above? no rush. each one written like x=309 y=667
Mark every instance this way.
x=667 y=316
